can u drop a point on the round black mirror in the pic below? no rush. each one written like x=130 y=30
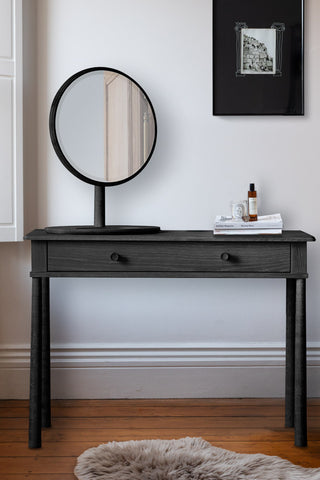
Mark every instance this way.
x=103 y=126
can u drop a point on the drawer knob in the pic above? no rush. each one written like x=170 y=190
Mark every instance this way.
x=225 y=256
x=114 y=257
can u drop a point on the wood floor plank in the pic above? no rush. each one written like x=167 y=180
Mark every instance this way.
x=157 y=422
x=75 y=448
x=35 y=476
x=61 y=465
x=176 y=402
x=158 y=411
x=52 y=436
x=55 y=434
x=101 y=435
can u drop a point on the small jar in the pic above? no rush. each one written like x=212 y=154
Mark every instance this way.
x=239 y=209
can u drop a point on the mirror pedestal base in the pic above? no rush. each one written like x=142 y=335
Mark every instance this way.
x=106 y=230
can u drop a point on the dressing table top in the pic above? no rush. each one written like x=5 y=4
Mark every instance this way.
x=175 y=236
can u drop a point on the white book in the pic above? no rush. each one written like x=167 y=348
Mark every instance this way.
x=263 y=222
x=242 y=231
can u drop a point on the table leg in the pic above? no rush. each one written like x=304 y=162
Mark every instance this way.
x=46 y=390
x=290 y=350
x=35 y=366
x=300 y=404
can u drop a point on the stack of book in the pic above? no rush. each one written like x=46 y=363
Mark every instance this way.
x=266 y=224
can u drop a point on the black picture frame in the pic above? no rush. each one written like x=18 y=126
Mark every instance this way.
x=258 y=57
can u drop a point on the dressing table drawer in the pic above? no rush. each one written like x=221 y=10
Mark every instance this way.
x=99 y=256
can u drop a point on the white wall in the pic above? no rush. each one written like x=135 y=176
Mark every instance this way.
x=147 y=337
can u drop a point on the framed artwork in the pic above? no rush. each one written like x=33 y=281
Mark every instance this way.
x=258 y=57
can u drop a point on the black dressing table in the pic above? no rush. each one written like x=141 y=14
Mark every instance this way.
x=171 y=254
x=113 y=152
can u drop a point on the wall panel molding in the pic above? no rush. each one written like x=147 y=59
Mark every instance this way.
x=137 y=371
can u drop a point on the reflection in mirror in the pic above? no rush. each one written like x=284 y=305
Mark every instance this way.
x=105 y=126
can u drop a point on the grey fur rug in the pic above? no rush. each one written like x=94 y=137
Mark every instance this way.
x=184 y=459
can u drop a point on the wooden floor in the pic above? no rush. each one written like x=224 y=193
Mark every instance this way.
x=241 y=425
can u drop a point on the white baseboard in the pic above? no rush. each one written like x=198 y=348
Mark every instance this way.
x=158 y=371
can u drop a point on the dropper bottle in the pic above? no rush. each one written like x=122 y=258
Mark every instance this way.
x=252 y=203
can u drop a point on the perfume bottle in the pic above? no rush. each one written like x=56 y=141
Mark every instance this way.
x=252 y=203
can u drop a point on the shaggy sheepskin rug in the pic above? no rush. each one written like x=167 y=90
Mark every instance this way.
x=183 y=459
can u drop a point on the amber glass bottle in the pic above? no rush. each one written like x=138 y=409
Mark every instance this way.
x=252 y=203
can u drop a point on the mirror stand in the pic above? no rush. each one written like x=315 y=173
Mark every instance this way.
x=99 y=206
x=99 y=227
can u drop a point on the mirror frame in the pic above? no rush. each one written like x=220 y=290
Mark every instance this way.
x=54 y=136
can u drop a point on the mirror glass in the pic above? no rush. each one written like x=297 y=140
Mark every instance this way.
x=103 y=126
